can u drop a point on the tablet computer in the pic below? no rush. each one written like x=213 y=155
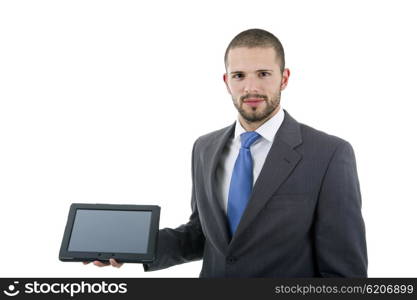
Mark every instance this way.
x=127 y=233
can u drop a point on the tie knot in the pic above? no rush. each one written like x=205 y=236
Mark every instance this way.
x=248 y=138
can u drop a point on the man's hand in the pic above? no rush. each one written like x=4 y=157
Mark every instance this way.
x=112 y=262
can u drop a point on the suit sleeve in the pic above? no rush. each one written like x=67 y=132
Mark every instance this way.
x=339 y=227
x=184 y=243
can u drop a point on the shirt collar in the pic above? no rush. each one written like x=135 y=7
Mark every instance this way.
x=267 y=130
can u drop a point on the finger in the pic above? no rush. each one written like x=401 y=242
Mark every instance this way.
x=100 y=264
x=86 y=262
x=114 y=263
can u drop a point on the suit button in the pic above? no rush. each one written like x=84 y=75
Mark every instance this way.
x=231 y=260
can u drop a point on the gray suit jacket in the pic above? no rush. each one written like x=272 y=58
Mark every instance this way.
x=303 y=219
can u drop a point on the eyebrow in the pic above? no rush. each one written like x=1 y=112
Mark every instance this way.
x=261 y=70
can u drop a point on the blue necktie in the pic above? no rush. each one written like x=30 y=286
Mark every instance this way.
x=242 y=180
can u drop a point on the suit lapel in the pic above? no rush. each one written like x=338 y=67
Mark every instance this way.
x=221 y=232
x=279 y=163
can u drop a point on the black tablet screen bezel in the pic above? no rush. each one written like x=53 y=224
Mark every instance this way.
x=149 y=256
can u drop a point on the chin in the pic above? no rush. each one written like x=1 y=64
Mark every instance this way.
x=254 y=118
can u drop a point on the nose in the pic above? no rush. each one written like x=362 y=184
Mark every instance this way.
x=251 y=86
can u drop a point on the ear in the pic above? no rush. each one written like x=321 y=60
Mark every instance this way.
x=285 y=77
x=225 y=79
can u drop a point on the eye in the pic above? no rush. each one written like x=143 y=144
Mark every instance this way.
x=238 y=76
x=264 y=74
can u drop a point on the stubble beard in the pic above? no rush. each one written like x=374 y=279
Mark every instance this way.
x=256 y=114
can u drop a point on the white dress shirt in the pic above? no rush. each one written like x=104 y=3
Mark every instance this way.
x=259 y=150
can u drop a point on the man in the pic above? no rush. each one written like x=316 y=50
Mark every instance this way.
x=271 y=197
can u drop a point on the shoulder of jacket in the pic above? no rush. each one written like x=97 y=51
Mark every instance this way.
x=210 y=137
x=310 y=133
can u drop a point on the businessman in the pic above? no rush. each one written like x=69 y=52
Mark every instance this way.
x=271 y=197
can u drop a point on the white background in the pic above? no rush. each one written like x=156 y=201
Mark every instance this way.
x=101 y=101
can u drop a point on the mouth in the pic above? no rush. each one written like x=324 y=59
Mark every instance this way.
x=254 y=102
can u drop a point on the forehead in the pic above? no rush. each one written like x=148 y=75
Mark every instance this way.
x=247 y=59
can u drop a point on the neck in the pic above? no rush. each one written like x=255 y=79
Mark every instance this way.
x=252 y=126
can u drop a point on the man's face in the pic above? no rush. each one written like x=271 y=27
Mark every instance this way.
x=254 y=81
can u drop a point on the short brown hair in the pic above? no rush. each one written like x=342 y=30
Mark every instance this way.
x=252 y=38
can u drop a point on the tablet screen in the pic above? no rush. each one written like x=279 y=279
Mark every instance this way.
x=110 y=231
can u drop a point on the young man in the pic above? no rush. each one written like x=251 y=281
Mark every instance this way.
x=271 y=197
